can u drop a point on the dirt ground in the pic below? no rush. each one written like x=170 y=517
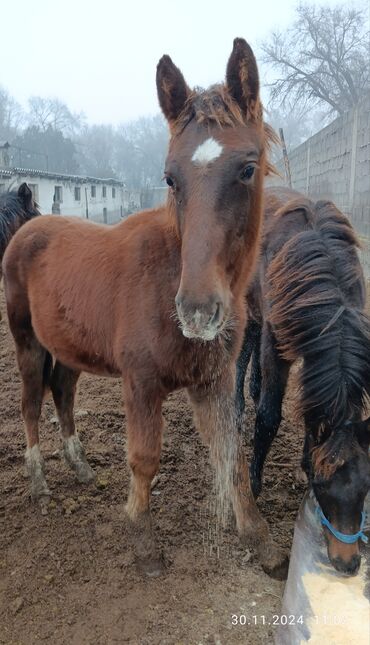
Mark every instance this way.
x=69 y=577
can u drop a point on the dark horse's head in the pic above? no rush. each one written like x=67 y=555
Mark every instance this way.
x=341 y=480
x=214 y=168
x=317 y=301
x=16 y=208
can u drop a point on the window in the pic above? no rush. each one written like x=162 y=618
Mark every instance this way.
x=105 y=215
x=104 y=191
x=2 y=188
x=93 y=191
x=113 y=192
x=35 y=191
x=58 y=194
x=77 y=194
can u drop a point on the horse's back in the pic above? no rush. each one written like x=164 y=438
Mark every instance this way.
x=71 y=239
x=290 y=215
x=74 y=279
x=287 y=213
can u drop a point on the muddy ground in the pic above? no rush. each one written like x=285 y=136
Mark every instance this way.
x=69 y=577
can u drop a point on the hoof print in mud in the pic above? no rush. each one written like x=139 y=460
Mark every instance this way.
x=278 y=571
x=152 y=568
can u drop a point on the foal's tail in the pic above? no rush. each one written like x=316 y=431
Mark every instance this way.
x=317 y=298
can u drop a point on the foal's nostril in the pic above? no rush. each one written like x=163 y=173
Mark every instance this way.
x=217 y=315
x=354 y=565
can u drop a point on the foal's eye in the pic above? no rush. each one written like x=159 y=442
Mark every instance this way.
x=170 y=182
x=247 y=172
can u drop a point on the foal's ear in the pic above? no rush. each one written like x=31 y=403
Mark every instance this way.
x=171 y=88
x=242 y=79
x=25 y=195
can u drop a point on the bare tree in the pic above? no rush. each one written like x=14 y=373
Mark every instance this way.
x=51 y=112
x=141 y=152
x=96 y=145
x=11 y=116
x=323 y=59
x=298 y=125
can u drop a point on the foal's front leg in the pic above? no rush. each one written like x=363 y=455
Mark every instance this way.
x=216 y=420
x=144 y=441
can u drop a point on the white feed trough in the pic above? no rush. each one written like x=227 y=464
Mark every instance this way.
x=320 y=605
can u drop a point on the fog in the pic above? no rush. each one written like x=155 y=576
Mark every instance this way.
x=100 y=57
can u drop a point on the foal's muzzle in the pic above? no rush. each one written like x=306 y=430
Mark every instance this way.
x=200 y=320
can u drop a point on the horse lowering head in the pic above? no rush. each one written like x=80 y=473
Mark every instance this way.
x=341 y=481
x=214 y=168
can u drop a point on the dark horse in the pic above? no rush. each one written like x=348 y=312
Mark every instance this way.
x=157 y=299
x=16 y=208
x=307 y=301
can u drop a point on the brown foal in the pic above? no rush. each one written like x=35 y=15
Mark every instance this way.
x=157 y=299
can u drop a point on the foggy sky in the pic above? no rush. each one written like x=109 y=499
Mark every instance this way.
x=101 y=57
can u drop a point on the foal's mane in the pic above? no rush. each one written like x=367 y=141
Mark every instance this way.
x=317 y=296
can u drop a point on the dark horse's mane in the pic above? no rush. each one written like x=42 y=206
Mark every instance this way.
x=317 y=296
x=13 y=214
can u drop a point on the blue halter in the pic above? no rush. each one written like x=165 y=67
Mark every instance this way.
x=343 y=537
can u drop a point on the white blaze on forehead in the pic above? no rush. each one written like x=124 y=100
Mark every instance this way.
x=208 y=151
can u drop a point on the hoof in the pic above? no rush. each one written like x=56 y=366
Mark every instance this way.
x=44 y=502
x=151 y=567
x=84 y=473
x=74 y=455
x=39 y=491
x=278 y=566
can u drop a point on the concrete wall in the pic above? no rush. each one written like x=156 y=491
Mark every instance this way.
x=335 y=164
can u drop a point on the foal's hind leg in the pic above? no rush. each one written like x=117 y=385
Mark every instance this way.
x=215 y=419
x=275 y=372
x=144 y=441
x=63 y=386
x=33 y=362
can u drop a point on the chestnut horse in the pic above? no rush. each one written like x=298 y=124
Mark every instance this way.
x=16 y=208
x=157 y=299
x=307 y=301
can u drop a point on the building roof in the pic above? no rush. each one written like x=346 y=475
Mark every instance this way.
x=77 y=179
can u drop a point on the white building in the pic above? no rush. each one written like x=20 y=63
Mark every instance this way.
x=101 y=200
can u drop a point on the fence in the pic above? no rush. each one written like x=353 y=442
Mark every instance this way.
x=335 y=164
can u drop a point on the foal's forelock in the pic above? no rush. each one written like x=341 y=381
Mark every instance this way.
x=340 y=447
